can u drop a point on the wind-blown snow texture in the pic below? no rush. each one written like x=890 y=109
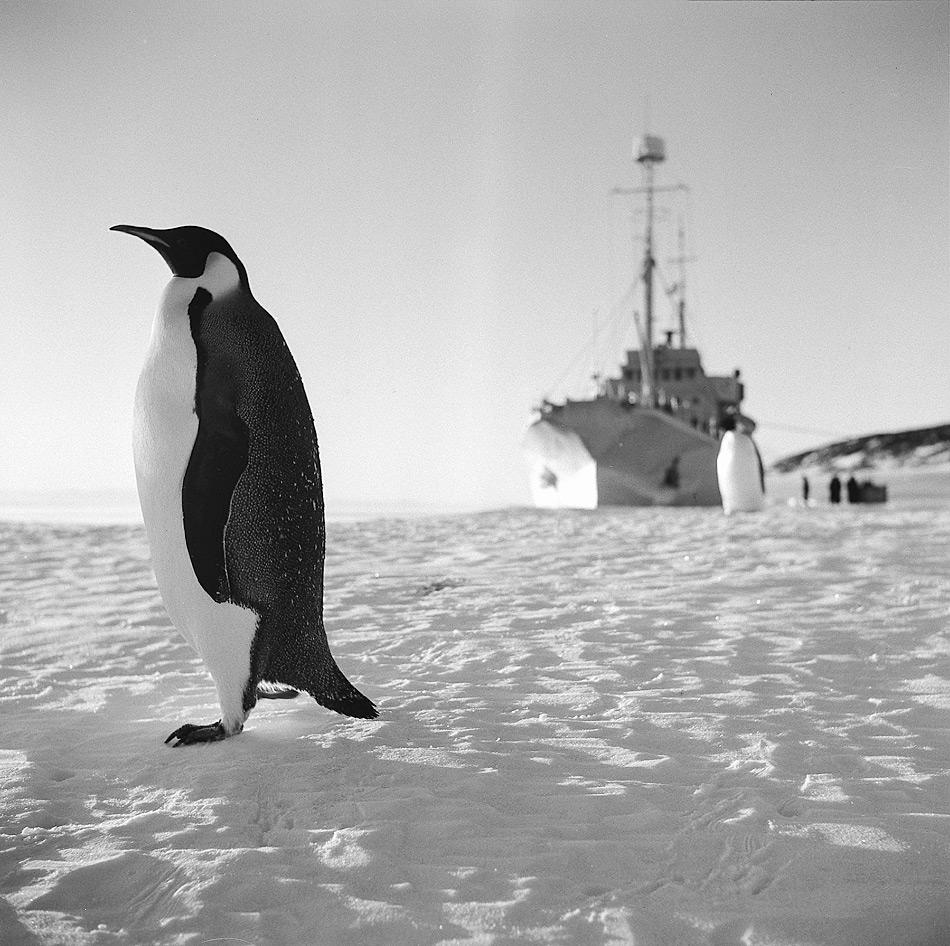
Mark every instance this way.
x=619 y=727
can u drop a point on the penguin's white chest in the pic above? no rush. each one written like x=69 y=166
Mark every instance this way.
x=165 y=423
x=737 y=467
x=164 y=430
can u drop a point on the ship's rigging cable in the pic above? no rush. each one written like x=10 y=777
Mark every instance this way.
x=695 y=325
x=801 y=430
x=619 y=325
x=668 y=289
x=613 y=327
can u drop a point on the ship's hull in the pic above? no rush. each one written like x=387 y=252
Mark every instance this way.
x=603 y=453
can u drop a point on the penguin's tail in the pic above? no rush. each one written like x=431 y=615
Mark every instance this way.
x=305 y=663
x=338 y=694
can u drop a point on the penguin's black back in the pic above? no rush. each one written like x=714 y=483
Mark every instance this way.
x=252 y=496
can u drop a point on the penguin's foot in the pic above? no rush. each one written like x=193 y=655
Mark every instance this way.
x=189 y=734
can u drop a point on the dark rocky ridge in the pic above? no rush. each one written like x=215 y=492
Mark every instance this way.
x=920 y=447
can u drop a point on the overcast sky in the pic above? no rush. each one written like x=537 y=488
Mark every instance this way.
x=420 y=193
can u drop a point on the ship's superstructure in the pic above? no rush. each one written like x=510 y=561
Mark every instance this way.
x=649 y=436
x=682 y=387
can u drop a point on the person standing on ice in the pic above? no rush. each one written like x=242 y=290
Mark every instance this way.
x=834 y=490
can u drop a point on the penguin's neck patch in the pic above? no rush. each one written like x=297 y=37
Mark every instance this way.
x=220 y=277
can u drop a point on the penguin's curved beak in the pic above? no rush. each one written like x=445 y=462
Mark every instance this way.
x=145 y=233
x=157 y=238
x=153 y=237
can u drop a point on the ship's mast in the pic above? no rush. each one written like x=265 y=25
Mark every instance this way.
x=680 y=286
x=649 y=150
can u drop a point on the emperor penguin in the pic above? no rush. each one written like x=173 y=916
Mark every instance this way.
x=228 y=476
x=739 y=469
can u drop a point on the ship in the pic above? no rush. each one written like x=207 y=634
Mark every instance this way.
x=650 y=436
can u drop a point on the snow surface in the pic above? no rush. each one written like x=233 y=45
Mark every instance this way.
x=640 y=726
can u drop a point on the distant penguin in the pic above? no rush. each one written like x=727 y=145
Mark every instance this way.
x=740 y=471
x=228 y=476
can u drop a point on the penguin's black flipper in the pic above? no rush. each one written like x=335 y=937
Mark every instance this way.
x=218 y=458
x=758 y=457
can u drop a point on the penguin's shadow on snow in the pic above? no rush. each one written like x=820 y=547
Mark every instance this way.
x=440 y=584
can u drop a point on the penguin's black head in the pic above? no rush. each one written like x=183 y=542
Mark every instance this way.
x=186 y=249
x=728 y=422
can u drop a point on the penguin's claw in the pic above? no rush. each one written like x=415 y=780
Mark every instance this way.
x=189 y=734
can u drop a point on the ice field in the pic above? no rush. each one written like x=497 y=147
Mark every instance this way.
x=658 y=727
